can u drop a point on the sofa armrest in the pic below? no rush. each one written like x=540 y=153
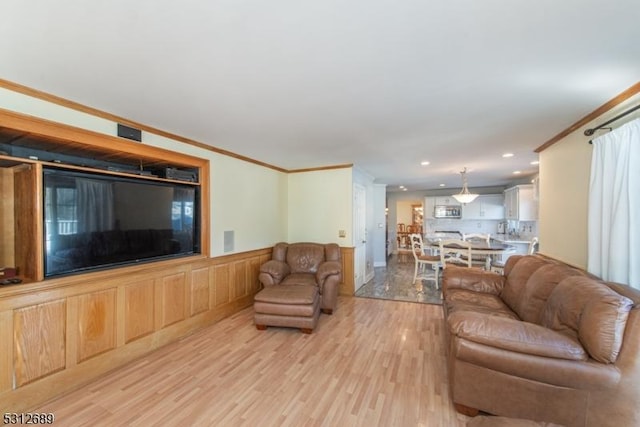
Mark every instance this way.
x=472 y=279
x=272 y=272
x=327 y=269
x=515 y=335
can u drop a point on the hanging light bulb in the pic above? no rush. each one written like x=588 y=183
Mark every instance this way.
x=464 y=196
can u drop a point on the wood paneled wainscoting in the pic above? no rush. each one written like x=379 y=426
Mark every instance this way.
x=348 y=286
x=58 y=334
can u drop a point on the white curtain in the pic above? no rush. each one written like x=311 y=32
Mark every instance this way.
x=95 y=205
x=614 y=206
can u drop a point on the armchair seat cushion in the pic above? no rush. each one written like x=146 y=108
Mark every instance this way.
x=299 y=279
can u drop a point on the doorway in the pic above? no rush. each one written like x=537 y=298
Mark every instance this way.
x=360 y=233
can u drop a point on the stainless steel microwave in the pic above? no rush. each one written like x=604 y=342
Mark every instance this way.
x=447 y=211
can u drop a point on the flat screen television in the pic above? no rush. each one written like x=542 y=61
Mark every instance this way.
x=96 y=221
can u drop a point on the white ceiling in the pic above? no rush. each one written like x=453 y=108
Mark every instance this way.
x=382 y=84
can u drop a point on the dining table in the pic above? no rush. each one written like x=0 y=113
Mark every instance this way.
x=480 y=248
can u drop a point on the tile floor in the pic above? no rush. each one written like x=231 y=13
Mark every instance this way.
x=393 y=282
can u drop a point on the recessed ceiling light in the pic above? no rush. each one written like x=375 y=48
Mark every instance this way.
x=401 y=187
x=517 y=172
x=505 y=155
x=535 y=162
x=404 y=189
x=425 y=163
x=443 y=185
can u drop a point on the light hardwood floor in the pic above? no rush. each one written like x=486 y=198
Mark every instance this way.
x=372 y=363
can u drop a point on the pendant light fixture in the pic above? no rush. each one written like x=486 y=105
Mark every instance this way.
x=464 y=196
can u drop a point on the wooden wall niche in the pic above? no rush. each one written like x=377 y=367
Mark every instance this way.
x=20 y=210
x=28 y=223
x=7 y=218
x=21 y=213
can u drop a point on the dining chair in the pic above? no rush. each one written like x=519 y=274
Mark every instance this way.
x=422 y=260
x=477 y=236
x=478 y=260
x=451 y=252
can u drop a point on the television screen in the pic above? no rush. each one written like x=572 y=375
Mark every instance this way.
x=95 y=220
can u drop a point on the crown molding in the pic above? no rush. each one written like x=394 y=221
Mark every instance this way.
x=25 y=90
x=633 y=90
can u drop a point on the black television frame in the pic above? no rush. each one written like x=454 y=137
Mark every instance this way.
x=111 y=177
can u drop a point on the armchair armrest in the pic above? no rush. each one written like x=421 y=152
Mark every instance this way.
x=515 y=335
x=272 y=272
x=472 y=279
x=326 y=269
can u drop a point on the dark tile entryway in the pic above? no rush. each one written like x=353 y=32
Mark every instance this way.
x=394 y=282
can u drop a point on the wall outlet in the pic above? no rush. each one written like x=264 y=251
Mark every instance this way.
x=342 y=233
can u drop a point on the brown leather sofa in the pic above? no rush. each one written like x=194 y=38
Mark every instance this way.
x=314 y=264
x=545 y=342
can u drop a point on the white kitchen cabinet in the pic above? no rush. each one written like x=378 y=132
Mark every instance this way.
x=446 y=201
x=431 y=202
x=429 y=206
x=519 y=203
x=488 y=206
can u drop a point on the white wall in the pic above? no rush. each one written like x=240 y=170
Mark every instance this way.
x=565 y=169
x=404 y=211
x=247 y=198
x=319 y=205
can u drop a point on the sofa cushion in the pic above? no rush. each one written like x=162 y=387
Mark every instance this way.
x=477 y=302
x=515 y=335
x=464 y=296
x=473 y=279
x=514 y=287
x=538 y=288
x=585 y=308
x=572 y=374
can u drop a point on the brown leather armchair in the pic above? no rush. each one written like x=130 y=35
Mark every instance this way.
x=312 y=264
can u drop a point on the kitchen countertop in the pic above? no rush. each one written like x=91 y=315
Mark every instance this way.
x=505 y=238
